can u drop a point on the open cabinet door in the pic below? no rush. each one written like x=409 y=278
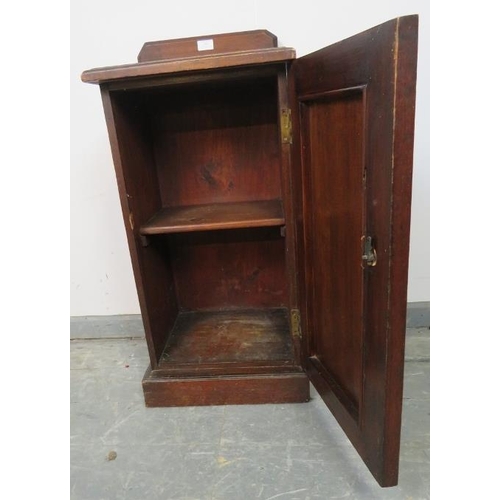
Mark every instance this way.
x=353 y=121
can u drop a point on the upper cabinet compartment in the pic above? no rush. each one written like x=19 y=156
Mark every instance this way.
x=208 y=141
x=212 y=152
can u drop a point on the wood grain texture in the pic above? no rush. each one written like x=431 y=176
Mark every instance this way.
x=217 y=143
x=229 y=336
x=404 y=119
x=241 y=268
x=223 y=42
x=297 y=182
x=206 y=78
x=333 y=144
x=180 y=65
x=372 y=60
x=215 y=216
x=289 y=208
x=229 y=390
x=227 y=368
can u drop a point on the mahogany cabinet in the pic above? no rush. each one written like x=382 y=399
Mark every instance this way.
x=266 y=201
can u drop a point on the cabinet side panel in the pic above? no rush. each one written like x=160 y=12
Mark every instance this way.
x=140 y=198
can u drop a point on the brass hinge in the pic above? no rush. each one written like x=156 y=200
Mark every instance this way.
x=286 y=126
x=295 y=319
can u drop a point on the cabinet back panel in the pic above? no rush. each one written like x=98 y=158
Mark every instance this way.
x=217 y=144
x=241 y=268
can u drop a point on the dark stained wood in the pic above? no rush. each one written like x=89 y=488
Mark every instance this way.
x=215 y=216
x=229 y=336
x=172 y=66
x=217 y=143
x=228 y=368
x=333 y=145
x=140 y=199
x=225 y=42
x=298 y=235
x=226 y=390
x=202 y=78
x=241 y=268
x=404 y=119
x=289 y=207
x=368 y=83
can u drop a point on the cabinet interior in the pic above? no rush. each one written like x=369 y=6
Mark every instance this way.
x=203 y=163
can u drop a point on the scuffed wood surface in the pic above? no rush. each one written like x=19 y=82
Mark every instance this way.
x=225 y=336
x=215 y=216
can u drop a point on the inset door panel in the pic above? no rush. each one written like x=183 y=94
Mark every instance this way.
x=333 y=146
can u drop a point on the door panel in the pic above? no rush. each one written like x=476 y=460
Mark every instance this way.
x=334 y=149
x=354 y=107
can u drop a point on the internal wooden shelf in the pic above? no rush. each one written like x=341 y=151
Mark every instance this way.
x=238 y=336
x=215 y=216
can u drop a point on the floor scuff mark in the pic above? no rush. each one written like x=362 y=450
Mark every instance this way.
x=286 y=493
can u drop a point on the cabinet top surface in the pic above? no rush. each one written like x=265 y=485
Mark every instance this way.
x=209 y=52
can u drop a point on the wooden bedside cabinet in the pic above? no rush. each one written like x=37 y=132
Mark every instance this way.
x=266 y=201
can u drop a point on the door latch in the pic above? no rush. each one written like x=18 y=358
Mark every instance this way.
x=369 y=253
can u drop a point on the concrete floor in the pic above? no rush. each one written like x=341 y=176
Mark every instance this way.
x=122 y=450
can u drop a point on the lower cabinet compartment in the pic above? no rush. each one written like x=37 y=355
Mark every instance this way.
x=230 y=340
x=229 y=337
x=227 y=357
